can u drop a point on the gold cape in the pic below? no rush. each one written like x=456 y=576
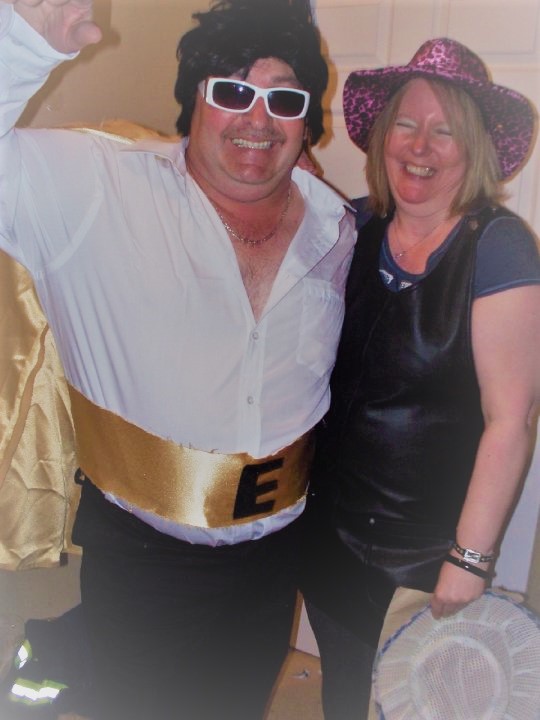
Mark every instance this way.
x=38 y=497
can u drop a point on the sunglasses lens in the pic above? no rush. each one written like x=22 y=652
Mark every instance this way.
x=232 y=96
x=239 y=96
x=286 y=103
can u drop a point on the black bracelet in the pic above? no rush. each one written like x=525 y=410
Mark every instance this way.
x=458 y=562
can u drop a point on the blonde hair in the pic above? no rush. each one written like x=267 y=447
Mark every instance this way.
x=482 y=181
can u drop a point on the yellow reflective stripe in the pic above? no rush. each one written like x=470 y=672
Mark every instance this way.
x=32 y=693
x=24 y=655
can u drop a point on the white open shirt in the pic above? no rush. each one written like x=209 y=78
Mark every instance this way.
x=140 y=284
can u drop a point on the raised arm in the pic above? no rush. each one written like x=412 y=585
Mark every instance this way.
x=65 y=24
x=506 y=344
x=35 y=37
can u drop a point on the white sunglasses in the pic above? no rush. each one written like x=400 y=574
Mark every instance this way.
x=238 y=96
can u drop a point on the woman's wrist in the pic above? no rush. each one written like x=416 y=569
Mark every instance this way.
x=475 y=569
x=472 y=560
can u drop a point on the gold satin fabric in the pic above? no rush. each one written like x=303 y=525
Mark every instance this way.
x=187 y=486
x=38 y=497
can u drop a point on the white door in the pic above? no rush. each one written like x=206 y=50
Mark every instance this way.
x=372 y=33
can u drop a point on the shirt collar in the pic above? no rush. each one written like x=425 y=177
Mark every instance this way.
x=324 y=207
x=172 y=149
x=324 y=210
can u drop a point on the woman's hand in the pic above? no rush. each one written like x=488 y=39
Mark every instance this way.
x=455 y=589
x=65 y=24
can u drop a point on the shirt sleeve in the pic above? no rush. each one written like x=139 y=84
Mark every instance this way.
x=26 y=60
x=507 y=257
x=6 y=18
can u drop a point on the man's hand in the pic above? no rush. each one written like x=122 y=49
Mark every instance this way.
x=65 y=24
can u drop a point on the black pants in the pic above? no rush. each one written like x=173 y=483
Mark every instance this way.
x=346 y=665
x=180 y=631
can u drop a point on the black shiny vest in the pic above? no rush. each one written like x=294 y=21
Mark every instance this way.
x=401 y=437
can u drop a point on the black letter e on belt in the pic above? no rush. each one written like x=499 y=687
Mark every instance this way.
x=249 y=489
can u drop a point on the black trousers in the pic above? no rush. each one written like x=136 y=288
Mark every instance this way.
x=346 y=665
x=178 y=630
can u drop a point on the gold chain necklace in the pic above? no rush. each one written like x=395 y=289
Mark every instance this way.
x=245 y=239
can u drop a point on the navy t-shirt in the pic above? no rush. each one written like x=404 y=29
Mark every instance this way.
x=507 y=257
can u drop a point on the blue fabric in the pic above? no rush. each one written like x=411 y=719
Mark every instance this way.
x=508 y=256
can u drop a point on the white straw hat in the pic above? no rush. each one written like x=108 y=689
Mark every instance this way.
x=482 y=663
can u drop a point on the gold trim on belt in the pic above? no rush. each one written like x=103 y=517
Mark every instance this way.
x=188 y=486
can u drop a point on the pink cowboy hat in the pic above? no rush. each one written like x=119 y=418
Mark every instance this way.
x=509 y=117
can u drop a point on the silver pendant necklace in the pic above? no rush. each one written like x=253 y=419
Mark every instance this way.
x=401 y=253
x=404 y=251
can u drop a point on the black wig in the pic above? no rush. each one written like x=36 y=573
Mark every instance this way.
x=234 y=34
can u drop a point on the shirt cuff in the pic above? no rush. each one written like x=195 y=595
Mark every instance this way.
x=6 y=18
x=31 y=52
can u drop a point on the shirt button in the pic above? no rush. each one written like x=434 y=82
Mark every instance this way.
x=250 y=400
x=255 y=335
x=372 y=521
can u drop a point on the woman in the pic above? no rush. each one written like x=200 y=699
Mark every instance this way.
x=436 y=386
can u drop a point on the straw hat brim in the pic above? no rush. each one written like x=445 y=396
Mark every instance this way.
x=481 y=663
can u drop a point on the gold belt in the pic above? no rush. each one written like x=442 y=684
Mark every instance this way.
x=187 y=486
